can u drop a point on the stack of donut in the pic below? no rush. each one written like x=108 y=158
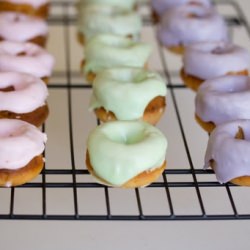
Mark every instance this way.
x=218 y=70
x=126 y=150
x=25 y=69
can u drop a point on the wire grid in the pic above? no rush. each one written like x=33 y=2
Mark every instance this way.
x=165 y=188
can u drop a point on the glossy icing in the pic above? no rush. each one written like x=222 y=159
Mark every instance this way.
x=210 y=60
x=20 y=142
x=230 y=155
x=19 y=27
x=99 y=19
x=161 y=6
x=224 y=99
x=35 y=60
x=187 y=24
x=121 y=150
x=126 y=91
x=106 y=51
x=29 y=92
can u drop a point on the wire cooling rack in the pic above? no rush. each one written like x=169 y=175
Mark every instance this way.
x=66 y=191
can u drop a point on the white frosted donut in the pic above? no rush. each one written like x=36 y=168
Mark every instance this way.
x=25 y=57
x=187 y=24
x=210 y=60
x=34 y=3
x=19 y=27
x=161 y=6
x=231 y=156
x=29 y=92
x=223 y=99
x=20 y=142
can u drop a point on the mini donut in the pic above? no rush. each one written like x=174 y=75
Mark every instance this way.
x=221 y=100
x=205 y=61
x=21 y=146
x=161 y=6
x=126 y=154
x=18 y=27
x=103 y=19
x=228 y=152
x=39 y=8
x=26 y=58
x=23 y=97
x=128 y=94
x=187 y=24
x=127 y=5
x=106 y=51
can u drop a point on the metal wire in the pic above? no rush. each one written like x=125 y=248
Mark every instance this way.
x=67 y=19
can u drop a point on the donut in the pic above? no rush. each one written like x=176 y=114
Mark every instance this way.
x=221 y=100
x=103 y=19
x=228 y=152
x=23 y=97
x=26 y=58
x=21 y=146
x=39 y=8
x=128 y=94
x=106 y=51
x=126 y=154
x=18 y=27
x=205 y=61
x=187 y=24
x=127 y=5
x=161 y=6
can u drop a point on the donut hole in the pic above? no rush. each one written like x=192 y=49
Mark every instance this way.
x=222 y=50
x=240 y=134
x=127 y=135
x=7 y=89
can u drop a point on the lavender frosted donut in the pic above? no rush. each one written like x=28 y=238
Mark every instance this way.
x=29 y=7
x=221 y=100
x=203 y=61
x=228 y=152
x=187 y=24
x=161 y=6
x=23 y=97
x=22 y=28
x=26 y=58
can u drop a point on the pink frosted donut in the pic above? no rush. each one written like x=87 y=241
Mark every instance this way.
x=228 y=155
x=25 y=57
x=187 y=24
x=23 y=97
x=20 y=142
x=223 y=99
x=161 y=6
x=38 y=8
x=22 y=28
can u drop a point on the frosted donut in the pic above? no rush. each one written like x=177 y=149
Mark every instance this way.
x=125 y=5
x=23 y=97
x=26 y=58
x=126 y=154
x=161 y=6
x=188 y=24
x=106 y=51
x=38 y=8
x=228 y=152
x=205 y=61
x=21 y=146
x=128 y=94
x=222 y=100
x=22 y=28
x=103 y=19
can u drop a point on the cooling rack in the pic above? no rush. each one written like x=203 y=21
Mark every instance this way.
x=66 y=191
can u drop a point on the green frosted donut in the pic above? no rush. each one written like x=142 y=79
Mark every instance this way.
x=123 y=4
x=102 y=19
x=121 y=150
x=126 y=91
x=106 y=51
